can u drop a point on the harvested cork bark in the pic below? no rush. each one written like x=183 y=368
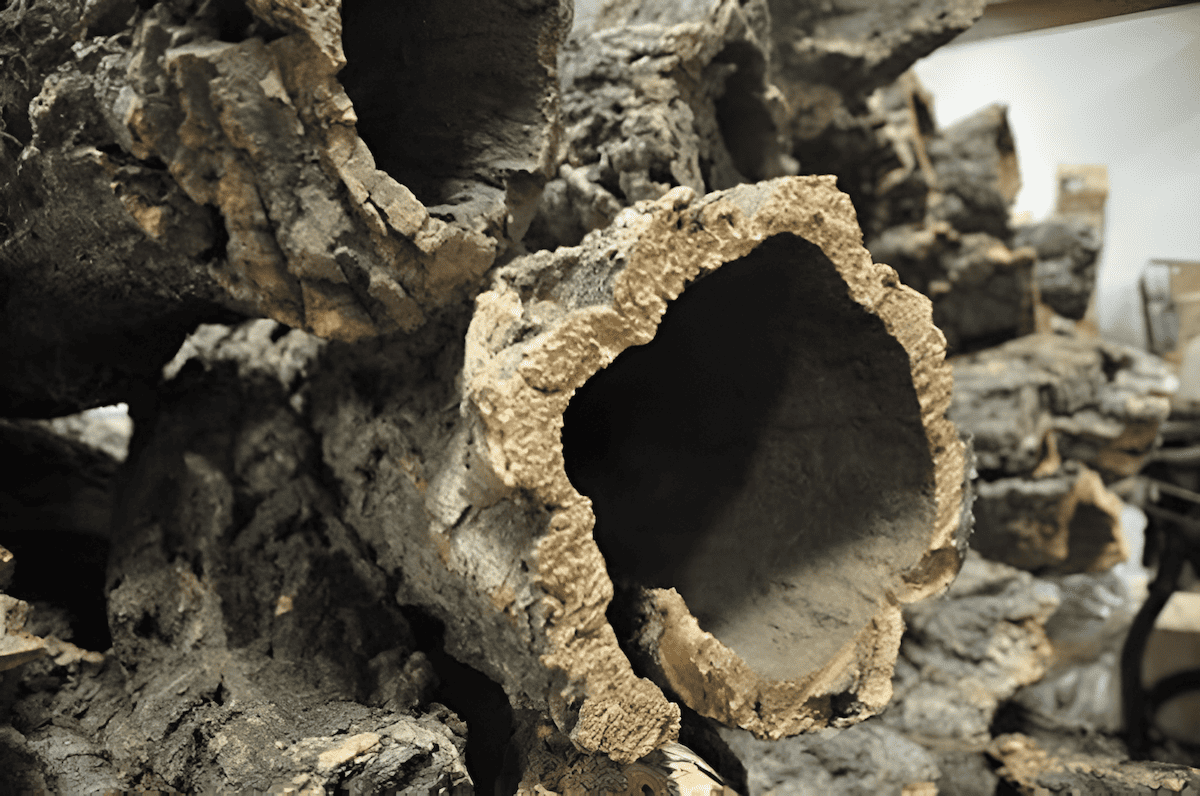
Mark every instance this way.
x=187 y=162
x=1054 y=418
x=607 y=478
x=723 y=467
x=660 y=95
x=597 y=539
x=1060 y=523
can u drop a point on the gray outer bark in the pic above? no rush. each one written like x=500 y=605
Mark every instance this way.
x=255 y=646
x=1067 y=252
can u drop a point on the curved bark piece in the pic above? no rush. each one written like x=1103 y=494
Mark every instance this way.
x=192 y=157
x=802 y=475
x=1086 y=399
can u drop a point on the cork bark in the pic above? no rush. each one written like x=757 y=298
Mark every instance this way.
x=698 y=458
x=188 y=163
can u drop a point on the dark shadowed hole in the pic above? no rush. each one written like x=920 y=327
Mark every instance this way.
x=65 y=569
x=764 y=455
x=746 y=126
x=477 y=699
x=443 y=89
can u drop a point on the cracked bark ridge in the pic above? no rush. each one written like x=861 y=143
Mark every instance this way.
x=215 y=147
x=659 y=96
x=551 y=321
x=1053 y=418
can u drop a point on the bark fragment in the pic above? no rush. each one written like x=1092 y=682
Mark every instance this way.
x=1067 y=250
x=1032 y=768
x=266 y=650
x=1100 y=402
x=1063 y=522
x=830 y=57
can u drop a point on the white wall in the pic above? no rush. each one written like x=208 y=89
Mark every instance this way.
x=1125 y=94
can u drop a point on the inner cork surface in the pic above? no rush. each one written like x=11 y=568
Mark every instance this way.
x=445 y=90
x=763 y=455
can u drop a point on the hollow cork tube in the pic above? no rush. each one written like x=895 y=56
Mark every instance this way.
x=767 y=476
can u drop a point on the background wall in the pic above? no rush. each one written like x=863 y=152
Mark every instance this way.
x=1125 y=94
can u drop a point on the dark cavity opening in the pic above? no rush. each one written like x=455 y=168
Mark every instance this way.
x=764 y=455
x=745 y=123
x=444 y=90
x=64 y=569
x=476 y=698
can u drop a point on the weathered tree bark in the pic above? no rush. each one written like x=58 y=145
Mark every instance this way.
x=1065 y=274
x=1051 y=416
x=204 y=160
x=681 y=451
x=271 y=523
x=658 y=95
x=1061 y=522
x=830 y=57
x=728 y=516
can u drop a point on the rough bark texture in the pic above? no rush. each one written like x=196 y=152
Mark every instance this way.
x=270 y=523
x=1035 y=769
x=550 y=322
x=254 y=647
x=208 y=158
x=934 y=205
x=625 y=485
x=831 y=56
x=1065 y=521
x=1100 y=403
x=1051 y=417
x=961 y=658
x=981 y=289
x=660 y=96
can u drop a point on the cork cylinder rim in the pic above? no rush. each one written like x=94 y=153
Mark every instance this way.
x=530 y=349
